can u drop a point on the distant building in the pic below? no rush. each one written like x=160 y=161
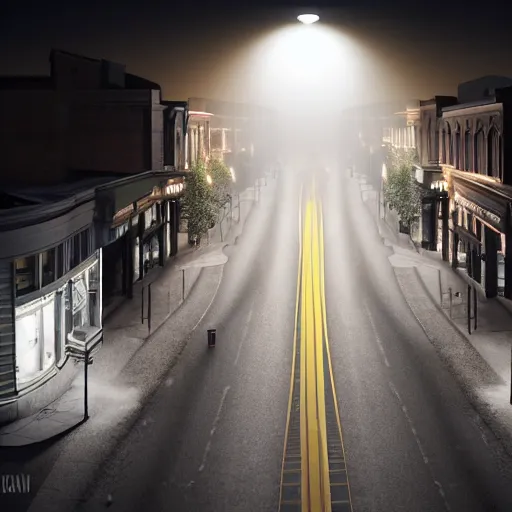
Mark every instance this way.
x=476 y=158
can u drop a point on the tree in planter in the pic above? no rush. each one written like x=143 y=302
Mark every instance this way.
x=401 y=192
x=198 y=204
x=222 y=182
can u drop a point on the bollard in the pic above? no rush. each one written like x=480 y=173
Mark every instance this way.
x=212 y=335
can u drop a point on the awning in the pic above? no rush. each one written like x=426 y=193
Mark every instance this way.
x=490 y=208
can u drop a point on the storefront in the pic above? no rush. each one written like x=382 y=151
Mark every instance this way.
x=65 y=316
x=479 y=235
x=434 y=218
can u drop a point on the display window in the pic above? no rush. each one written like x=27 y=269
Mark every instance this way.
x=35 y=339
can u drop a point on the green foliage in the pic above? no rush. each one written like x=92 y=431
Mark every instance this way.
x=198 y=204
x=401 y=191
x=222 y=182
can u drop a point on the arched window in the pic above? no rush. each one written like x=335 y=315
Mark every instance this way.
x=443 y=146
x=449 y=145
x=479 y=152
x=429 y=141
x=467 y=150
x=493 y=153
x=457 y=150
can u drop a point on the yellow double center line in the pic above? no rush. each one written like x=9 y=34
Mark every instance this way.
x=322 y=457
x=315 y=481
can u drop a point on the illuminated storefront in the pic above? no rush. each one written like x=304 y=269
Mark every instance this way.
x=479 y=234
x=65 y=315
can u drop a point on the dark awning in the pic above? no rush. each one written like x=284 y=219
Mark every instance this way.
x=490 y=208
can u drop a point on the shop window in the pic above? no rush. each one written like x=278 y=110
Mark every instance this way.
x=85 y=244
x=48 y=265
x=136 y=261
x=85 y=314
x=27 y=275
x=150 y=217
x=461 y=254
x=35 y=339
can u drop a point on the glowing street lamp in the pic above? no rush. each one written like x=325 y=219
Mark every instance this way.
x=308 y=19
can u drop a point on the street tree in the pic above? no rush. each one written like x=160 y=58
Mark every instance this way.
x=222 y=182
x=401 y=191
x=198 y=206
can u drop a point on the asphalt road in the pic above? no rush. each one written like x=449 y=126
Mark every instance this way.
x=211 y=438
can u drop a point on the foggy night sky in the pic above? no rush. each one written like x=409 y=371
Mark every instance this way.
x=192 y=49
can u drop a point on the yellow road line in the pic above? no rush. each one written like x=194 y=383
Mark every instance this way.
x=322 y=418
x=324 y=318
x=292 y=378
x=304 y=413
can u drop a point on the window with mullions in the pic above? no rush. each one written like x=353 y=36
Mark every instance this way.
x=27 y=275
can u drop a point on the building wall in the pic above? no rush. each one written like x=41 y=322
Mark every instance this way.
x=108 y=137
x=157 y=132
x=32 y=125
x=75 y=72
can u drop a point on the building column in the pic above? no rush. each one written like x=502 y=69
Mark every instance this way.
x=491 y=262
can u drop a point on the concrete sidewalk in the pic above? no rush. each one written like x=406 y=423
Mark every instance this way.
x=126 y=332
x=481 y=360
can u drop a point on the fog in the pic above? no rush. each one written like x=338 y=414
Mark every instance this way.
x=310 y=76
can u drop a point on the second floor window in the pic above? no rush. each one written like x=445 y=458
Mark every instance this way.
x=467 y=150
x=493 y=153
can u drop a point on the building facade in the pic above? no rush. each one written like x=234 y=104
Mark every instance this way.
x=474 y=156
x=435 y=203
x=55 y=281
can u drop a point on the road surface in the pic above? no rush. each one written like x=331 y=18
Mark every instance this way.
x=212 y=436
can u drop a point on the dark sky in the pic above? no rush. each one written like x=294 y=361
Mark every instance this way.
x=191 y=49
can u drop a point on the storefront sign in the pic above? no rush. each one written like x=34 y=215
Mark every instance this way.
x=478 y=210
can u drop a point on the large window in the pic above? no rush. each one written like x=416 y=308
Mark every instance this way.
x=27 y=275
x=39 y=270
x=48 y=265
x=35 y=338
x=83 y=310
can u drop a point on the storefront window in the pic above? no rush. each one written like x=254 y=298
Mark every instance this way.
x=151 y=253
x=85 y=290
x=461 y=254
x=27 y=275
x=168 y=238
x=150 y=217
x=501 y=266
x=136 y=262
x=35 y=338
x=48 y=265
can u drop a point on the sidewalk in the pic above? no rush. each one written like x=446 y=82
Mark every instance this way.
x=125 y=335
x=481 y=360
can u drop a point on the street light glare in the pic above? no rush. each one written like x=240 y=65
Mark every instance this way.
x=308 y=19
